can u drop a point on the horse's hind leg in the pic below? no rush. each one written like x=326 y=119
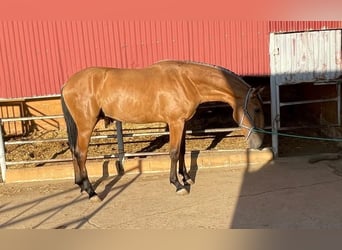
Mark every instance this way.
x=81 y=178
x=85 y=125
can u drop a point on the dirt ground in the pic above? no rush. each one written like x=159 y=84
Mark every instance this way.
x=285 y=193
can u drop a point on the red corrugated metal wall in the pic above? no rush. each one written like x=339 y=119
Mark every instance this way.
x=37 y=57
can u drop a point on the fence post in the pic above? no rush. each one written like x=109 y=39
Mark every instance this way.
x=121 y=148
x=2 y=155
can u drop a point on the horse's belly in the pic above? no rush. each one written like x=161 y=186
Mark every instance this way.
x=138 y=118
x=134 y=114
x=149 y=114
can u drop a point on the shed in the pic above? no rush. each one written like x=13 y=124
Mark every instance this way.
x=299 y=57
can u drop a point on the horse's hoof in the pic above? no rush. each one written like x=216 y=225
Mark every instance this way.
x=95 y=199
x=182 y=191
x=189 y=181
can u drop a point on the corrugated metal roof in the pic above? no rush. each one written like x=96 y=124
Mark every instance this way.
x=36 y=57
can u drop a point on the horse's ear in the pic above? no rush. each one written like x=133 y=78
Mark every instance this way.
x=258 y=90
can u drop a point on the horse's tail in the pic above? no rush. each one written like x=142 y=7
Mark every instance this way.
x=71 y=126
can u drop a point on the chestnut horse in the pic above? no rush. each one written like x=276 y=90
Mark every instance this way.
x=167 y=91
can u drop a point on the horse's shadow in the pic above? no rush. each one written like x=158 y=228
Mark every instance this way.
x=105 y=176
x=155 y=144
x=121 y=172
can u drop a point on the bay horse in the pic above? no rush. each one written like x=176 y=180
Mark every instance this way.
x=167 y=91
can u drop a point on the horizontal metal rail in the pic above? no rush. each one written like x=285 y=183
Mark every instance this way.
x=282 y=104
x=188 y=132
x=102 y=157
x=35 y=141
x=16 y=119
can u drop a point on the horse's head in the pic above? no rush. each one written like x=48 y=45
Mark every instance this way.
x=250 y=115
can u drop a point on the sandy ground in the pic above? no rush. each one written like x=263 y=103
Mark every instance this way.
x=285 y=193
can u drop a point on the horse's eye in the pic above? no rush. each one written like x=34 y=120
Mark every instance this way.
x=257 y=110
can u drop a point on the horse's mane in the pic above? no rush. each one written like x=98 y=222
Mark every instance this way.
x=217 y=67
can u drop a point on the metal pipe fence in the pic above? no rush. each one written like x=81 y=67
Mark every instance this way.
x=119 y=135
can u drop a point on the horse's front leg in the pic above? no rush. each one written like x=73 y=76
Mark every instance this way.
x=176 y=133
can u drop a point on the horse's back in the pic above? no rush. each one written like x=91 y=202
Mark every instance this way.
x=136 y=95
x=166 y=72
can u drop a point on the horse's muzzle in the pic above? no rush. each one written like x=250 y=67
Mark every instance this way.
x=255 y=140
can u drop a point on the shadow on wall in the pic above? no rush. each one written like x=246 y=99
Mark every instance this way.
x=30 y=108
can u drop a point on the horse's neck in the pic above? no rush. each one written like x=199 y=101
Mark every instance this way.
x=230 y=91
